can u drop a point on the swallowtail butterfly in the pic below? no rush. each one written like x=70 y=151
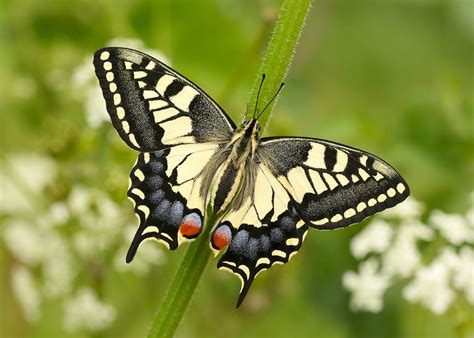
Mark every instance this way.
x=267 y=192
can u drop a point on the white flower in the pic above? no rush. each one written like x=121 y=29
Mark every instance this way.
x=367 y=287
x=35 y=171
x=401 y=259
x=86 y=312
x=461 y=268
x=83 y=74
x=88 y=91
x=449 y=257
x=100 y=218
x=414 y=230
x=374 y=238
x=79 y=200
x=431 y=288
x=96 y=114
x=26 y=242
x=58 y=273
x=436 y=286
x=408 y=209
x=454 y=227
x=12 y=199
x=58 y=213
x=403 y=256
x=463 y=274
x=21 y=175
x=26 y=292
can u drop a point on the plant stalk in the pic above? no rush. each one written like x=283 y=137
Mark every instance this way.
x=182 y=287
x=278 y=56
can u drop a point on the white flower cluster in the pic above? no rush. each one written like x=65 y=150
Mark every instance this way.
x=85 y=83
x=54 y=243
x=21 y=177
x=86 y=311
x=390 y=245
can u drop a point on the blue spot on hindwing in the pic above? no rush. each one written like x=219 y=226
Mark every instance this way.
x=264 y=243
x=159 y=153
x=287 y=223
x=176 y=213
x=156 y=167
x=161 y=210
x=251 y=249
x=156 y=197
x=154 y=182
x=239 y=242
x=276 y=235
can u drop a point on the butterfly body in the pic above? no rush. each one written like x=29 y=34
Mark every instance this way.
x=233 y=175
x=266 y=192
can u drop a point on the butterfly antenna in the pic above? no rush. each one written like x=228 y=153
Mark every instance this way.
x=258 y=95
x=273 y=98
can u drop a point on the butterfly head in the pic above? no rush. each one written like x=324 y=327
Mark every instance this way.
x=250 y=128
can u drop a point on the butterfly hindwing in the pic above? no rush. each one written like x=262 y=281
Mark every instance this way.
x=264 y=231
x=165 y=189
x=152 y=106
x=333 y=185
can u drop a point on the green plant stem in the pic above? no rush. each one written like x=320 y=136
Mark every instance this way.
x=275 y=63
x=278 y=55
x=181 y=290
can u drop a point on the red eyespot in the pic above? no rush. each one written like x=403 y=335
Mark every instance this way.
x=221 y=237
x=190 y=225
x=189 y=229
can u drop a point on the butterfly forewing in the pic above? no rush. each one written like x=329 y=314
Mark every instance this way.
x=152 y=106
x=332 y=184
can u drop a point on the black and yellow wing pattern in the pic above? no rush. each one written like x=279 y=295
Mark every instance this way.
x=267 y=192
x=303 y=183
x=176 y=128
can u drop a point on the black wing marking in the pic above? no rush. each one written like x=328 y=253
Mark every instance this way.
x=266 y=230
x=152 y=106
x=165 y=189
x=333 y=185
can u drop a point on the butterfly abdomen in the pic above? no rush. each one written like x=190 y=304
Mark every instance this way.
x=226 y=185
x=228 y=180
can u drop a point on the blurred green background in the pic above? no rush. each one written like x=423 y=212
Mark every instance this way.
x=391 y=77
